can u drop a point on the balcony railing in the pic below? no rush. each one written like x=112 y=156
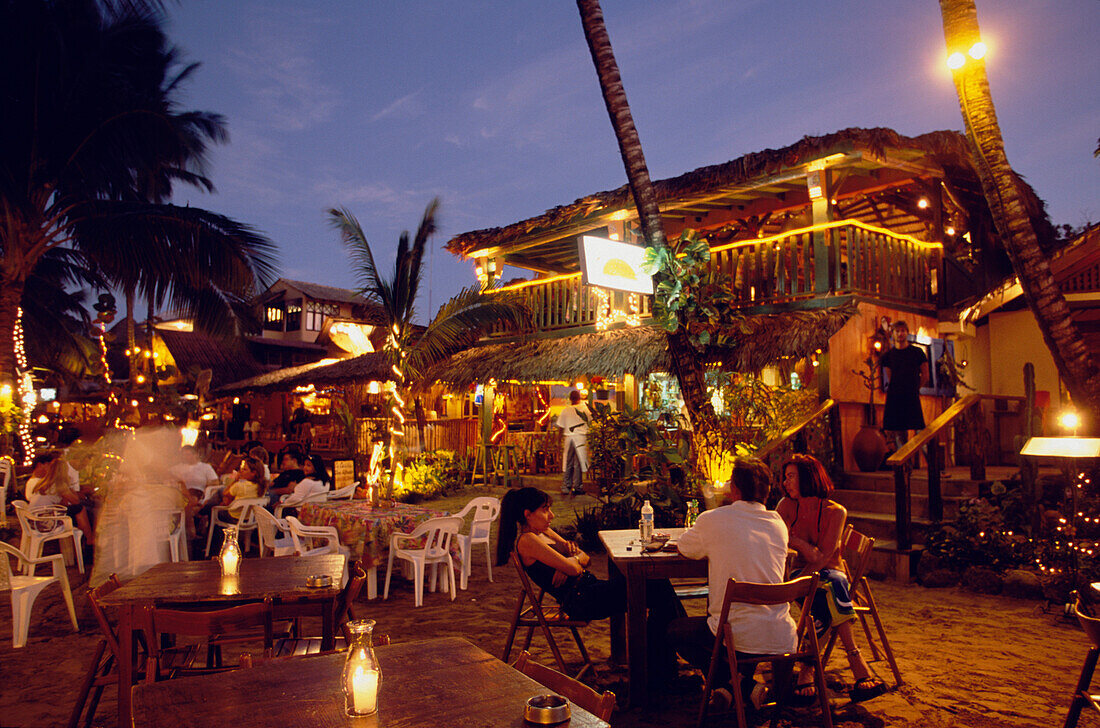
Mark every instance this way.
x=838 y=258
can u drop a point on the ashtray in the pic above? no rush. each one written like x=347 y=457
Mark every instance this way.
x=546 y=709
x=318 y=580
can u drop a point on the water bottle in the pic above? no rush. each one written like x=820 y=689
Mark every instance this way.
x=646 y=525
x=692 y=513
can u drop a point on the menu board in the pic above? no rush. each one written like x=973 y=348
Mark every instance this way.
x=343 y=473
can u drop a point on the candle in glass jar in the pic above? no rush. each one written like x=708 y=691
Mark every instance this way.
x=364 y=691
x=231 y=560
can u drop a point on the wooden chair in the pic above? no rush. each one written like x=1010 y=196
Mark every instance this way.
x=856 y=551
x=538 y=617
x=192 y=623
x=1081 y=695
x=103 y=669
x=577 y=692
x=808 y=651
x=292 y=646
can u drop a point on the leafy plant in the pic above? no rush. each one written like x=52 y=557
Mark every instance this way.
x=979 y=537
x=429 y=475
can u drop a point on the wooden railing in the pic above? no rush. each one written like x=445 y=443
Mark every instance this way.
x=839 y=258
x=794 y=434
x=928 y=440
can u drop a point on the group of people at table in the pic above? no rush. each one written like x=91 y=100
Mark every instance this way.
x=54 y=481
x=742 y=540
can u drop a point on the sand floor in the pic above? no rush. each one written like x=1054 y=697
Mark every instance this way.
x=967 y=659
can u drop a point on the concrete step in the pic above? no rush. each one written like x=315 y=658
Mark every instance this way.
x=882 y=528
x=883 y=482
x=883 y=502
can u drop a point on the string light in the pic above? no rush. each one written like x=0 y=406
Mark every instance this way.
x=27 y=397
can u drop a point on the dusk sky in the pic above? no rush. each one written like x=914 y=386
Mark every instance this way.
x=494 y=106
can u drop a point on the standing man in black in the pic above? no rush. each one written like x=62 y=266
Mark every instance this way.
x=908 y=367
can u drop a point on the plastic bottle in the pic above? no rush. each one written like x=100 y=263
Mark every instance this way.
x=647 y=522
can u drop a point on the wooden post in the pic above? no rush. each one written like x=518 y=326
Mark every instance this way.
x=902 y=507
x=819 y=183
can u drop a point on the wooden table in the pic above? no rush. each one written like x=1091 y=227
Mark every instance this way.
x=440 y=682
x=282 y=579
x=635 y=566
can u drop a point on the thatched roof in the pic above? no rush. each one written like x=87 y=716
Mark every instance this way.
x=943 y=154
x=368 y=367
x=638 y=351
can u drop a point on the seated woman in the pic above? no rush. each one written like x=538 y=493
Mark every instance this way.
x=315 y=482
x=815 y=524
x=49 y=486
x=248 y=483
x=558 y=566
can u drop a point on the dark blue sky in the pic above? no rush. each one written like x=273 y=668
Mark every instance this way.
x=494 y=106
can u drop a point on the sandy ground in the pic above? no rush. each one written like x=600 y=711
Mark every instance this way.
x=967 y=659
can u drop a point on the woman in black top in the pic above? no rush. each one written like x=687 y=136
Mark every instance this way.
x=559 y=567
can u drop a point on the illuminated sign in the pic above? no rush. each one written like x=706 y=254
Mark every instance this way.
x=612 y=264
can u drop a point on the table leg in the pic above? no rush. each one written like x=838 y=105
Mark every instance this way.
x=617 y=624
x=328 y=622
x=126 y=664
x=636 y=637
x=372 y=582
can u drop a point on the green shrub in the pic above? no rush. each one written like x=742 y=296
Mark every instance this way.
x=429 y=475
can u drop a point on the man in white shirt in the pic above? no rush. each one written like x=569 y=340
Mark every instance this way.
x=744 y=541
x=194 y=473
x=573 y=421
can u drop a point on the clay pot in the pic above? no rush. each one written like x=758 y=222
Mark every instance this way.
x=868 y=448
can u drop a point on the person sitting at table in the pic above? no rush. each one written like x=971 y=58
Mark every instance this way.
x=260 y=453
x=558 y=566
x=193 y=473
x=745 y=541
x=288 y=477
x=49 y=485
x=816 y=523
x=248 y=483
x=316 y=481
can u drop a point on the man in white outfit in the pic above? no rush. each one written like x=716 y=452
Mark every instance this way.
x=573 y=422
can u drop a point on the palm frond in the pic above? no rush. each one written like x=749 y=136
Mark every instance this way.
x=462 y=320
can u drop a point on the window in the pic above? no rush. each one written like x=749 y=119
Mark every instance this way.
x=316 y=312
x=273 y=318
x=294 y=315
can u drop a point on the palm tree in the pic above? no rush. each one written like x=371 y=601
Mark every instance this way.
x=685 y=360
x=89 y=135
x=1075 y=365
x=458 y=324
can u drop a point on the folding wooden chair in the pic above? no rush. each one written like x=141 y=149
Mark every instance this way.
x=536 y=616
x=808 y=651
x=294 y=646
x=103 y=669
x=160 y=621
x=856 y=551
x=1082 y=696
x=599 y=705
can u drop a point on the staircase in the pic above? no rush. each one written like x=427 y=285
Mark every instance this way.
x=869 y=499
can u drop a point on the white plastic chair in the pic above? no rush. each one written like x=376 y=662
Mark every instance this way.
x=288 y=503
x=245 y=522
x=305 y=538
x=274 y=534
x=345 y=493
x=436 y=550
x=172 y=529
x=44 y=524
x=25 y=589
x=486 y=509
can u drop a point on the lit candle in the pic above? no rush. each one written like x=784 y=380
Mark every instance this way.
x=364 y=691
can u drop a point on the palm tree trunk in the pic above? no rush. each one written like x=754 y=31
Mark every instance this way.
x=686 y=365
x=1075 y=365
x=11 y=294
x=131 y=339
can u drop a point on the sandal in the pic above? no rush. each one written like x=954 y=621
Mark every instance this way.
x=866 y=688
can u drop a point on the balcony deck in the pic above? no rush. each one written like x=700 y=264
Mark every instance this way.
x=841 y=258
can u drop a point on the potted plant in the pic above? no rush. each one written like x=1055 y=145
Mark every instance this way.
x=869 y=446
